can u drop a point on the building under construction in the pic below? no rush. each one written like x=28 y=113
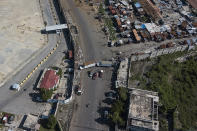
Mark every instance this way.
x=143 y=111
x=151 y=9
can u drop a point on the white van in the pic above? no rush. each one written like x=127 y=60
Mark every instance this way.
x=16 y=87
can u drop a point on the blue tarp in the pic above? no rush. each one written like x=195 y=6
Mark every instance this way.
x=137 y=5
x=143 y=26
x=189 y=42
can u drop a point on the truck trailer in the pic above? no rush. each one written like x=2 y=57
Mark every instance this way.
x=104 y=64
x=87 y=65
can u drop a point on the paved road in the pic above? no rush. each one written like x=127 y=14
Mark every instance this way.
x=93 y=45
x=89 y=118
x=20 y=102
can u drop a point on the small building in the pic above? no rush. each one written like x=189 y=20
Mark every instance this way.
x=143 y=111
x=49 y=80
x=31 y=123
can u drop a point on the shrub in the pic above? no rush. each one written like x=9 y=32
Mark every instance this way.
x=51 y=122
x=45 y=94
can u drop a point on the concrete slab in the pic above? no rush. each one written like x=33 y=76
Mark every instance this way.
x=133 y=58
x=153 y=54
x=20 y=37
x=178 y=48
x=142 y=57
x=172 y=50
x=159 y=52
x=165 y=51
x=184 y=47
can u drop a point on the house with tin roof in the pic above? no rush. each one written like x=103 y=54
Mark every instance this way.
x=49 y=79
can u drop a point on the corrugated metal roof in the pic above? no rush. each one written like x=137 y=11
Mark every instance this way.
x=50 y=79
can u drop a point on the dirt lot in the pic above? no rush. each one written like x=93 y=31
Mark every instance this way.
x=64 y=115
x=20 y=37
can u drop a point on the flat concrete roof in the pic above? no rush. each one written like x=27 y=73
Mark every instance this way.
x=143 y=109
x=122 y=74
x=31 y=121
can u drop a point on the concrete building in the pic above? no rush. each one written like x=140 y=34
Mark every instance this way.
x=31 y=123
x=122 y=74
x=143 y=111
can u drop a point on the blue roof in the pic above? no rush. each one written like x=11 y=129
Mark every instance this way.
x=137 y=5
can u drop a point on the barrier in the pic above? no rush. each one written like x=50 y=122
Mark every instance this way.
x=30 y=74
x=158 y=53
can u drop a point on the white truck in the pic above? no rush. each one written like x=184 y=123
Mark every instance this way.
x=87 y=65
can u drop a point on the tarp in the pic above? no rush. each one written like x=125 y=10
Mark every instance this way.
x=143 y=26
x=137 y=5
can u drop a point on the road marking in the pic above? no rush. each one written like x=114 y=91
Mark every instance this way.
x=30 y=74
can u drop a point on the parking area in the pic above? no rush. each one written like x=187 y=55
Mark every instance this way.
x=87 y=114
x=20 y=35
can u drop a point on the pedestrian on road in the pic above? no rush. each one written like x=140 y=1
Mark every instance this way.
x=87 y=105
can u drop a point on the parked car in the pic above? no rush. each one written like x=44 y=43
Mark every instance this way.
x=39 y=99
x=109 y=94
x=90 y=74
x=95 y=75
x=78 y=90
x=106 y=114
x=11 y=119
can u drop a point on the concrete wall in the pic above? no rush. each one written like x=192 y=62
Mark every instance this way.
x=158 y=53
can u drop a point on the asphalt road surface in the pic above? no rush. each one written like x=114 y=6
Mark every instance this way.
x=20 y=102
x=93 y=45
x=92 y=42
x=87 y=116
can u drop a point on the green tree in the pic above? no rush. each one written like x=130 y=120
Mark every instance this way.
x=59 y=72
x=117 y=119
x=45 y=94
x=51 y=122
x=101 y=9
x=122 y=93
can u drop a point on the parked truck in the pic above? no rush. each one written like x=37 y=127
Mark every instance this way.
x=104 y=64
x=87 y=65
